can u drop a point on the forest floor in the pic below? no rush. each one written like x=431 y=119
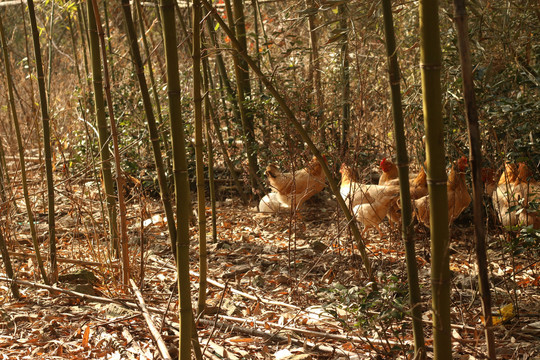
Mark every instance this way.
x=279 y=288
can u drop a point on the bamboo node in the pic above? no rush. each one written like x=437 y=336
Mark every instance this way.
x=436 y=182
x=430 y=66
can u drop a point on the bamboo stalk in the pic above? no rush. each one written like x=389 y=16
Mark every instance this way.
x=430 y=58
x=114 y=133
x=199 y=160
x=403 y=173
x=46 y=139
x=103 y=130
x=20 y=146
x=210 y=149
x=345 y=81
x=7 y=263
x=151 y=122
x=183 y=205
x=475 y=157
x=164 y=133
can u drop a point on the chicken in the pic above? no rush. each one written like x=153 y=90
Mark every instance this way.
x=371 y=214
x=355 y=193
x=489 y=181
x=530 y=191
x=458 y=195
x=504 y=196
x=390 y=171
x=270 y=204
x=417 y=188
x=515 y=195
x=293 y=189
x=370 y=203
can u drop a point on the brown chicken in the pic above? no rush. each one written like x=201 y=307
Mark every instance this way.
x=371 y=214
x=294 y=189
x=489 y=180
x=504 y=196
x=370 y=202
x=355 y=193
x=515 y=193
x=458 y=195
x=417 y=188
x=390 y=171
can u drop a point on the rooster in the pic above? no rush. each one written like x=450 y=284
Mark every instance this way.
x=390 y=171
x=370 y=203
x=515 y=193
x=458 y=195
x=293 y=189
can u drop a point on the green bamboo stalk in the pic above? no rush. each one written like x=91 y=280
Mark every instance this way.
x=3 y=170
x=210 y=148
x=109 y=43
x=222 y=145
x=254 y=5
x=475 y=157
x=302 y=132
x=152 y=126
x=33 y=107
x=82 y=100
x=46 y=140
x=181 y=182
x=49 y=73
x=199 y=149
x=119 y=173
x=403 y=173
x=243 y=89
x=315 y=62
x=223 y=70
x=20 y=145
x=103 y=129
x=265 y=36
x=430 y=58
x=164 y=133
x=81 y=21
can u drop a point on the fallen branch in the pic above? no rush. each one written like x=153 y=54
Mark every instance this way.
x=153 y=331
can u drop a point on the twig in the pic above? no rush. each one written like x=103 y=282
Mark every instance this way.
x=153 y=331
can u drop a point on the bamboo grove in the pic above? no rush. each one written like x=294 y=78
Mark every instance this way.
x=165 y=95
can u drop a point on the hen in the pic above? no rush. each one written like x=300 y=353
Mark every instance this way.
x=370 y=203
x=489 y=180
x=515 y=195
x=293 y=189
x=458 y=195
x=270 y=204
x=417 y=188
x=390 y=171
x=371 y=214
